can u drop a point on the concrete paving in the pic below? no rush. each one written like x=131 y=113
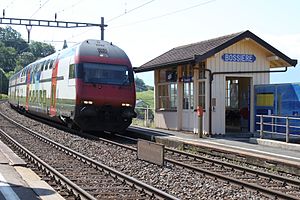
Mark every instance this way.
x=17 y=182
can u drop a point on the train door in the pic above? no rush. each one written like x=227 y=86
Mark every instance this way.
x=27 y=87
x=53 y=88
x=237 y=110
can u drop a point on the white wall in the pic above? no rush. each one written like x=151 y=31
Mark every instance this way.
x=216 y=64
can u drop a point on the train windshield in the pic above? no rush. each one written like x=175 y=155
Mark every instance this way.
x=107 y=74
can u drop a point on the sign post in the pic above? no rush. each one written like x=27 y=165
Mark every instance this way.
x=200 y=122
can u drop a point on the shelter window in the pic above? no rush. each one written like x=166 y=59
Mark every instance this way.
x=188 y=87
x=201 y=94
x=202 y=70
x=167 y=75
x=167 y=98
x=167 y=89
x=188 y=95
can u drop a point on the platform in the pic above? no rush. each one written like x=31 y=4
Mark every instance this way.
x=17 y=182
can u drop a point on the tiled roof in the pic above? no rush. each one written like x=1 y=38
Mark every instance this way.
x=204 y=49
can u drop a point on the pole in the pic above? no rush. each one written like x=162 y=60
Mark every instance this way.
x=28 y=31
x=200 y=122
x=261 y=126
x=200 y=128
x=287 y=131
x=147 y=116
x=102 y=28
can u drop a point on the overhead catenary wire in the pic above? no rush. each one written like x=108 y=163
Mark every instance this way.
x=164 y=15
x=9 y=4
x=129 y=11
x=160 y=16
x=114 y=18
x=68 y=7
x=41 y=6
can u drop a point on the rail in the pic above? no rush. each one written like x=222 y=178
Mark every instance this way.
x=148 y=189
x=278 y=125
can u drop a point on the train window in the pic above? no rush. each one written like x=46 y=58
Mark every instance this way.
x=44 y=97
x=40 y=96
x=72 y=71
x=107 y=74
x=33 y=95
x=43 y=66
x=48 y=64
x=51 y=64
x=39 y=67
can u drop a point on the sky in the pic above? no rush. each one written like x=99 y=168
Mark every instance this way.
x=145 y=29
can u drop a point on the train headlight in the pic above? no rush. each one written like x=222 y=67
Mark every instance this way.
x=126 y=105
x=87 y=102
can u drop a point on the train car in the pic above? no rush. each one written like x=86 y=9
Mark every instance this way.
x=279 y=100
x=89 y=86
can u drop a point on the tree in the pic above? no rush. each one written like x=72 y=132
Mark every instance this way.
x=7 y=58
x=140 y=85
x=25 y=58
x=3 y=83
x=40 y=49
x=12 y=38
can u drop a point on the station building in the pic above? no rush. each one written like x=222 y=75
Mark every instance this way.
x=218 y=75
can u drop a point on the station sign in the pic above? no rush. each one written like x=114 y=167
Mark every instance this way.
x=231 y=57
x=186 y=79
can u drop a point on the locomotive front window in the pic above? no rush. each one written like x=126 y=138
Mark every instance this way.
x=106 y=74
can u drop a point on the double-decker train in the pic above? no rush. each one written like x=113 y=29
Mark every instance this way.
x=89 y=86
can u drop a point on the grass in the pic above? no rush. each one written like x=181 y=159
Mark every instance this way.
x=3 y=96
x=147 y=96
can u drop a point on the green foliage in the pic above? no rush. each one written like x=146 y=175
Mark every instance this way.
x=3 y=83
x=15 y=53
x=9 y=74
x=12 y=38
x=25 y=58
x=7 y=57
x=3 y=96
x=146 y=96
x=40 y=50
x=150 y=87
x=140 y=85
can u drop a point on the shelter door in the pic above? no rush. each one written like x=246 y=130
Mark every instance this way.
x=188 y=114
x=237 y=104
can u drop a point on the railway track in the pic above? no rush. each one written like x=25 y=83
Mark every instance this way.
x=271 y=185
x=235 y=175
x=81 y=176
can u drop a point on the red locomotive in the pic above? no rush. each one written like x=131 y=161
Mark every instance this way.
x=90 y=86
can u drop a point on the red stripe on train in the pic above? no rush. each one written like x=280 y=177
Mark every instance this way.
x=53 y=90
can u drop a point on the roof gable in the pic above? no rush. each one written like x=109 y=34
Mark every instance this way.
x=200 y=51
